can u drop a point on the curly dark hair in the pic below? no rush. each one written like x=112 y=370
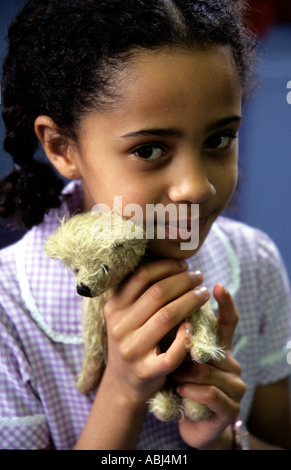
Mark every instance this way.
x=62 y=59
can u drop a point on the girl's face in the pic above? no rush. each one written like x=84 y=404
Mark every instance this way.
x=171 y=137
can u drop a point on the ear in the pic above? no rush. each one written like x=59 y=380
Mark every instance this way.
x=60 y=149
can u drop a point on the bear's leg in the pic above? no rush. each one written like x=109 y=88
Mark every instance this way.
x=95 y=339
x=195 y=411
x=166 y=405
x=203 y=344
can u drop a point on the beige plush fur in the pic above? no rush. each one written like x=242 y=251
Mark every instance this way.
x=101 y=250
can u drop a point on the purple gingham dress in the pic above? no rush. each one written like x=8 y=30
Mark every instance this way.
x=41 y=339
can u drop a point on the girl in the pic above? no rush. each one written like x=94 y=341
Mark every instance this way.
x=140 y=100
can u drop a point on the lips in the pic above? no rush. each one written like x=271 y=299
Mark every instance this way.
x=184 y=230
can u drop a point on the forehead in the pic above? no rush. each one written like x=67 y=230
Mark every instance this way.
x=181 y=74
x=190 y=86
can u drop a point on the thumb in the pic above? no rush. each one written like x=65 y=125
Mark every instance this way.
x=227 y=315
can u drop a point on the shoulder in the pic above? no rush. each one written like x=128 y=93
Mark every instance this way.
x=238 y=232
x=30 y=248
x=33 y=286
x=241 y=257
x=263 y=278
x=72 y=198
x=249 y=243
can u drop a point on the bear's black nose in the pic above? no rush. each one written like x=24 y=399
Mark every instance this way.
x=83 y=290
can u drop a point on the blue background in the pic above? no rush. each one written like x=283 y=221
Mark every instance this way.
x=264 y=196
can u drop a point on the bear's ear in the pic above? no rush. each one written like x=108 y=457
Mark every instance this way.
x=118 y=244
x=136 y=246
x=57 y=254
x=53 y=249
x=122 y=243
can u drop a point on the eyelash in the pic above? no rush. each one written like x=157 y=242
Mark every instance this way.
x=231 y=136
x=151 y=147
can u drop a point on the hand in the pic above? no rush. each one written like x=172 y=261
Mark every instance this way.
x=156 y=298
x=215 y=384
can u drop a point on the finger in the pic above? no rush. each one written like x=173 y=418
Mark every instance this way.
x=155 y=297
x=168 y=361
x=169 y=316
x=214 y=398
x=227 y=315
x=161 y=294
x=143 y=277
x=207 y=374
x=162 y=322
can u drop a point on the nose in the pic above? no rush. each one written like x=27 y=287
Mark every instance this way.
x=83 y=290
x=191 y=182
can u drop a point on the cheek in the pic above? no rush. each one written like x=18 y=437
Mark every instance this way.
x=139 y=190
x=233 y=178
x=128 y=197
x=105 y=187
x=225 y=180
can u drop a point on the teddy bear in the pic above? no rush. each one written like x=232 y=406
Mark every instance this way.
x=101 y=250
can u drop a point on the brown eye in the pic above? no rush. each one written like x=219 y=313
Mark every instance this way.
x=149 y=152
x=220 y=141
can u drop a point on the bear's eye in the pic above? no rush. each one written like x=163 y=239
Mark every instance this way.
x=76 y=271
x=106 y=268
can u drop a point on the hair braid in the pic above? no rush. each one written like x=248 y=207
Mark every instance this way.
x=32 y=187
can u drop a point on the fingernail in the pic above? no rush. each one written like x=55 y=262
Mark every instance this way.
x=196 y=275
x=188 y=330
x=203 y=292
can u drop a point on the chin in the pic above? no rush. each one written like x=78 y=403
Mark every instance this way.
x=170 y=249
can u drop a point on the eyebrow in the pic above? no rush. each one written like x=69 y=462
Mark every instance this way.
x=167 y=132
x=224 y=122
x=171 y=132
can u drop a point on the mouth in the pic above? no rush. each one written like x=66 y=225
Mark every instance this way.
x=185 y=230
